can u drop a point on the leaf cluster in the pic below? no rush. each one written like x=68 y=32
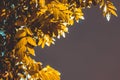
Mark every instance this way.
x=25 y=24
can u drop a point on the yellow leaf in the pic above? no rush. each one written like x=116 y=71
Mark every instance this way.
x=31 y=41
x=49 y=73
x=78 y=10
x=21 y=52
x=64 y=1
x=56 y=13
x=112 y=7
x=29 y=32
x=22 y=49
x=63 y=16
x=25 y=60
x=64 y=28
x=40 y=42
x=113 y=12
x=43 y=43
x=79 y=14
x=22 y=42
x=67 y=12
x=31 y=51
x=53 y=76
x=43 y=76
x=35 y=67
x=20 y=34
x=42 y=3
x=61 y=6
x=102 y=3
x=53 y=70
x=71 y=22
x=105 y=8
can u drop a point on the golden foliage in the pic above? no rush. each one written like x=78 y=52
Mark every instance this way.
x=47 y=73
x=21 y=42
x=29 y=32
x=20 y=34
x=21 y=52
x=31 y=41
x=31 y=51
x=108 y=9
x=31 y=23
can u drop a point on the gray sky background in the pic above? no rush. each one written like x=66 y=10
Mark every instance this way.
x=91 y=50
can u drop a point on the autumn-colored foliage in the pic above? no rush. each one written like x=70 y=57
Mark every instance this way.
x=25 y=24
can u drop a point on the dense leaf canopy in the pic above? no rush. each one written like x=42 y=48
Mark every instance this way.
x=25 y=24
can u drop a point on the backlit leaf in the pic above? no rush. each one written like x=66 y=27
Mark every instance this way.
x=29 y=32
x=42 y=3
x=108 y=16
x=112 y=7
x=105 y=8
x=102 y=3
x=40 y=42
x=43 y=43
x=31 y=41
x=56 y=13
x=31 y=51
x=21 y=52
x=49 y=73
x=112 y=12
x=21 y=42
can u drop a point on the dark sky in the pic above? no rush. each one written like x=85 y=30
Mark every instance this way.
x=91 y=50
